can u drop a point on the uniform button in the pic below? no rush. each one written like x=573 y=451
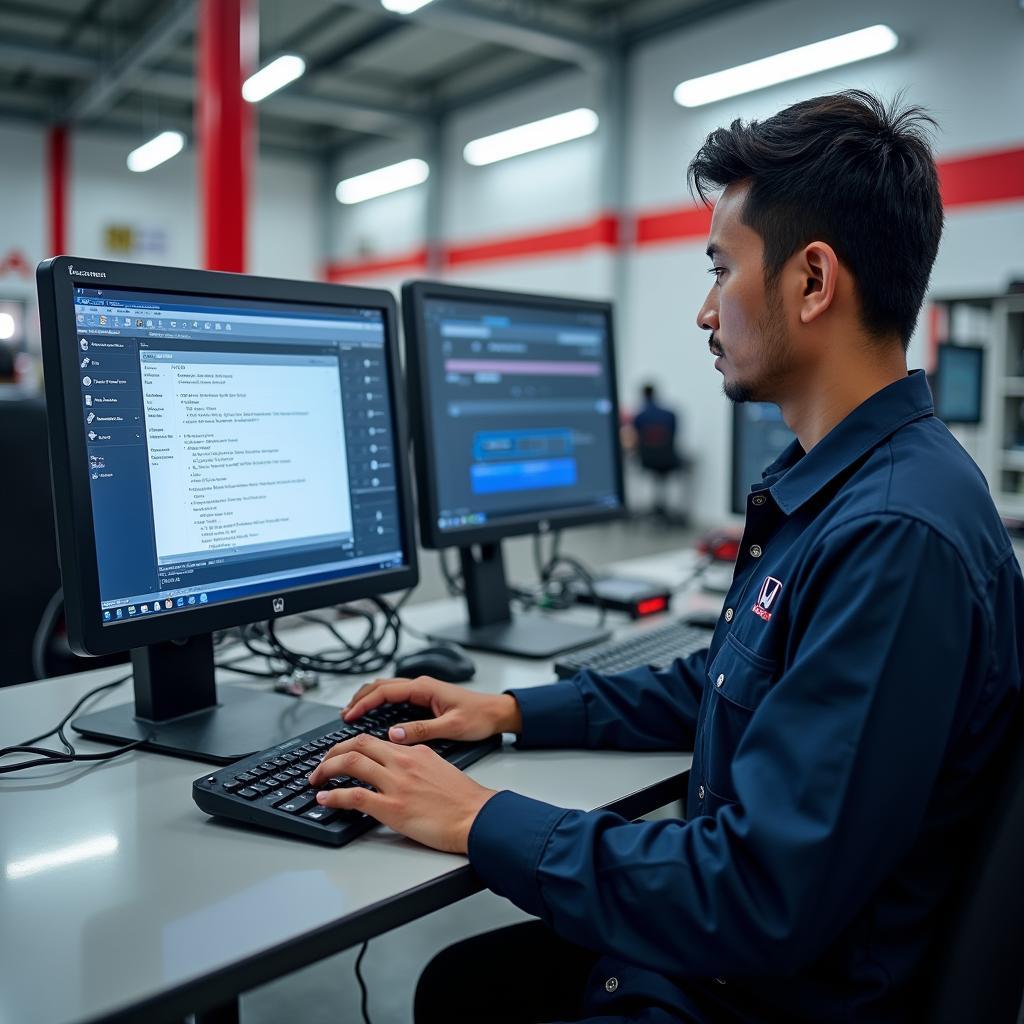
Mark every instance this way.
x=720 y=680
x=728 y=614
x=700 y=791
x=611 y=984
x=755 y=550
x=758 y=499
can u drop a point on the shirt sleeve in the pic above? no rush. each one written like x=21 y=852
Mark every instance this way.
x=642 y=709
x=833 y=776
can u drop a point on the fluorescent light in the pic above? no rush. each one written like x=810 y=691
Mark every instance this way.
x=380 y=182
x=156 y=151
x=527 y=137
x=101 y=846
x=7 y=326
x=403 y=6
x=783 y=67
x=276 y=75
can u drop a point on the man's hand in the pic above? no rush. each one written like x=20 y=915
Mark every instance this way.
x=459 y=714
x=418 y=793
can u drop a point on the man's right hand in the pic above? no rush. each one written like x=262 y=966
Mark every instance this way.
x=459 y=714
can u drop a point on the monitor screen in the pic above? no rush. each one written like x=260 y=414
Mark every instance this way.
x=520 y=410
x=759 y=436
x=958 y=380
x=234 y=447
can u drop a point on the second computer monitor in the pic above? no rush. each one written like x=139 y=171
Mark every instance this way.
x=513 y=398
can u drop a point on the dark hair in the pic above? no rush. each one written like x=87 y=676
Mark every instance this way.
x=649 y=391
x=6 y=363
x=846 y=170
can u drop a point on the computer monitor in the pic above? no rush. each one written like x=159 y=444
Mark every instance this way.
x=958 y=383
x=515 y=414
x=224 y=449
x=759 y=436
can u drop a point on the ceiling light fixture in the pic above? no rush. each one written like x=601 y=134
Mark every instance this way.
x=550 y=131
x=153 y=153
x=403 y=6
x=383 y=181
x=276 y=75
x=784 y=67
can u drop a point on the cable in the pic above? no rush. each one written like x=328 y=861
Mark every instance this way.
x=453 y=581
x=564 y=598
x=43 y=632
x=68 y=754
x=364 y=994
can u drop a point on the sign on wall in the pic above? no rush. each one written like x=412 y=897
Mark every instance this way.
x=134 y=240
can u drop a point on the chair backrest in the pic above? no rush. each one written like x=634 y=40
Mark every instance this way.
x=30 y=574
x=977 y=965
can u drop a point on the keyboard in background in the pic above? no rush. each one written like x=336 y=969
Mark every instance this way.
x=269 y=789
x=657 y=647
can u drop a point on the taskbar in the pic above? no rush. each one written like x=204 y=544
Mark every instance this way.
x=177 y=601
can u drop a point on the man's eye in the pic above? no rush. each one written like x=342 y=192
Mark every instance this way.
x=717 y=271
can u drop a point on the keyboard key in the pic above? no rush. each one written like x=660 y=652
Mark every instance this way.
x=298 y=803
x=297 y=785
x=245 y=777
x=261 y=788
x=278 y=796
x=320 y=814
x=248 y=793
x=233 y=787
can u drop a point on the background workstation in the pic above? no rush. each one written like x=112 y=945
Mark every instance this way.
x=604 y=216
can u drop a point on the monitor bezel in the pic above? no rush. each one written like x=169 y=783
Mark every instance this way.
x=414 y=296
x=87 y=635
x=978 y=354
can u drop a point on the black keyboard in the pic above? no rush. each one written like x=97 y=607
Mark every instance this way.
x=269 y=789
x=657 y=647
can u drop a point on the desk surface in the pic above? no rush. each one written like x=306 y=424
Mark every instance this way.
x=120 y=896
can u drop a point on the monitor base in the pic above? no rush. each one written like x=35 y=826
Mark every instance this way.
x=526 y=636
x=241 y=723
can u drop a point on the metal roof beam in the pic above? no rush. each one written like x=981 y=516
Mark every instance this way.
x=101 y=94
x=519 y=28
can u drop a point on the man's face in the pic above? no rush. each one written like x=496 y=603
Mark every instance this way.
x=746 y=320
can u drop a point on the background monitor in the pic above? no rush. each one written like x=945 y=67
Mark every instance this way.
x=514 y=401
x=958 y=383
x=759 y=436
x=225 y=449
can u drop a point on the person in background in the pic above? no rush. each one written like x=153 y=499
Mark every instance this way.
x=655 y=428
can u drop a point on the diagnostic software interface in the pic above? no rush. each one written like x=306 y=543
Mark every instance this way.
x=234 y=447
x=521 y=410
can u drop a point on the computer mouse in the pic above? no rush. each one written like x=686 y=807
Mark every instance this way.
x=446 y=662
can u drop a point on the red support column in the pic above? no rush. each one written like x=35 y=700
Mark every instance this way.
x=224 y=127
x=57 y=173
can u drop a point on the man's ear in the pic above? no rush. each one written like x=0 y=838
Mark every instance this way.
x=819 y=268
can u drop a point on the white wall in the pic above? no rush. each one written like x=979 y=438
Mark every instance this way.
x=964 y=62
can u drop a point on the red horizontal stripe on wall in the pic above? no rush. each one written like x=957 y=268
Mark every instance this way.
x=602 y=231
x=340 y=271
x=984 y=178
x=673 y=225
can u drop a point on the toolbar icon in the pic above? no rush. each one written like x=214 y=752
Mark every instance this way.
x=83 y=344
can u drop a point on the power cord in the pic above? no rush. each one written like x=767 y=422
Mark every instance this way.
x=68 y=755
x=364 y=993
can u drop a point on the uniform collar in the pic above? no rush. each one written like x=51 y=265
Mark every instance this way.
x=794 y=478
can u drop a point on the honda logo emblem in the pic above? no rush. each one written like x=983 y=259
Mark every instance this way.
x=769 y=591
x=278 y=605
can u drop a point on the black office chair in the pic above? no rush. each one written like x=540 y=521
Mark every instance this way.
x=976 y=966
x=657 y=453
x=31 y=575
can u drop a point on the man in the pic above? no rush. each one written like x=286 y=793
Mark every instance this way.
x=866 y=665
x=655 y=429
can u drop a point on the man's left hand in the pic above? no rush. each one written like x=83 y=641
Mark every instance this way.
x=418 y=793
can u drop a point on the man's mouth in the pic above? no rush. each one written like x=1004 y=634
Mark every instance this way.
x=714 y=347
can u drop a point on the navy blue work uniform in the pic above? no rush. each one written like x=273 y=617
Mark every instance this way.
x=867 y=661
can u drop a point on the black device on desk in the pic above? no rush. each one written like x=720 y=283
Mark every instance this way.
x=441 y=661
x=513 y=398
x=269 y=789
x=656 y=647
x=225 y=449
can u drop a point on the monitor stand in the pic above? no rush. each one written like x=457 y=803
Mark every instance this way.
x=492 y=627
x=180 y=710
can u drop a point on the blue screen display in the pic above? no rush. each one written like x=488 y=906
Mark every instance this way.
x=233 y=449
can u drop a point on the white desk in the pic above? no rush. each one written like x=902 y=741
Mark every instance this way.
x=166 y=911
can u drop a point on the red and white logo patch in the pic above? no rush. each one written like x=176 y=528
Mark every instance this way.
x=770 y=590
